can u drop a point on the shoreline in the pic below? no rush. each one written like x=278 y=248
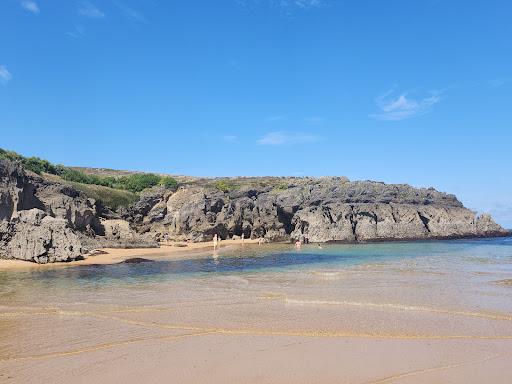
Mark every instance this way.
x=178 y=250
x=102 y=256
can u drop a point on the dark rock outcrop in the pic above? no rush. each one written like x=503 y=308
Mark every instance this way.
x=65 y=202
x=45 y=221
x=17 y=193
x=316 y=209
x=33 y=236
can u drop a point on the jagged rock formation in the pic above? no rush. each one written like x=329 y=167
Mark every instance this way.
x=46 y=221
x=67 y=203
x=34 y=236
x=316 y=209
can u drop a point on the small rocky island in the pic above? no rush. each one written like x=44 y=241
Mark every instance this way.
x=45 y=219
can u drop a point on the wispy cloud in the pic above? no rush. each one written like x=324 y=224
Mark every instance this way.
x=495 y=83
x=88 y=9
x=304 y=4
x=5 y=75
x=275 y=118
x=77 y=33
x=314 y=120
x=30 y=6
x=286 y=138
x=130 y=13
x=400 y=107
x=230 y=138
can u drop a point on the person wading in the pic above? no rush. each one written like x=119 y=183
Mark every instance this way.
x=215 y=242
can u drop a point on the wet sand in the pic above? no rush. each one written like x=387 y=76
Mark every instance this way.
x=440 y=319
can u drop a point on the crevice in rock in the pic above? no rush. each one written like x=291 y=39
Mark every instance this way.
x=425 y=221
x=393 y=215
x=285 y=218
x=327 y=213
x=353 y=222
x=368 y=214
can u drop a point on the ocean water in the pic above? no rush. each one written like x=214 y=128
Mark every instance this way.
x=454 y=290
x=494 y=254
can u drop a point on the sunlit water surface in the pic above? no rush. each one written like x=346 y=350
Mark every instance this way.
x=460 y=289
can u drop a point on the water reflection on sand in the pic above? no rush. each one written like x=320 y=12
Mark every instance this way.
x=406 y=312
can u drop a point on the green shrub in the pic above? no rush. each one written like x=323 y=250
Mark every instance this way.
x=9 y=155
x=34 y=164
x=138 y=182
x=225 y=186
x=76 y=176
x=169 y=182
x=110 y=197
x=134 y=183
x=281 y=187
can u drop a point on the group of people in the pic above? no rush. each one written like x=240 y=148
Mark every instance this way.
x=217 y=239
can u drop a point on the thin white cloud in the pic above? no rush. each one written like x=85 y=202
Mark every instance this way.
x=88 y=9
x=314 y=120
x=304 y=4
x=30 y=6
x=286 y=138
x=495 y=83
x=5 y=75
x=230 y=138
x=400 y=107
x=129 y=13
x=275 y=118
x=77 y=33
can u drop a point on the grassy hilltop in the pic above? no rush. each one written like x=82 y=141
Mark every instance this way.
x=117 y=188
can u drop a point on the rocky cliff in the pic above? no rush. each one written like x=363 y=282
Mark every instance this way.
x=313 y=209
x=46 y=221
x=43 y=222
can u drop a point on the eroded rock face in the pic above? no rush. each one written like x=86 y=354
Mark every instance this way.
x=319 y=210
x=64 y=202
x=33 y=236
x=16 y=191
x=44 y=221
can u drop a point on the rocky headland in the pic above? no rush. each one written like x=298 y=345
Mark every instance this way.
x=44 y=220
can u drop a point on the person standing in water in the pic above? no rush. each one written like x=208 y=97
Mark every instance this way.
x=215 y=242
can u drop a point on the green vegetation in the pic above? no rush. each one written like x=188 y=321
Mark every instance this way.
x=168 y=182
x=110 y=197
x=134 y=183
x=226 y=185
x=281 y=187
x=34 y=164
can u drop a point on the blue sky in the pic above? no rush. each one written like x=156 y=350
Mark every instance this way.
x=401 y=91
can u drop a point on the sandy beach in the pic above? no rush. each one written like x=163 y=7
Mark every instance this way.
x=237 y=316
x=117 y=255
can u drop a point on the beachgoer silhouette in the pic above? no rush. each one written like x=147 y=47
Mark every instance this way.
x=215 y=242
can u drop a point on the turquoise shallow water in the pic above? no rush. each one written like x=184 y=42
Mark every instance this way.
x=494 y=253
x=454 y=294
